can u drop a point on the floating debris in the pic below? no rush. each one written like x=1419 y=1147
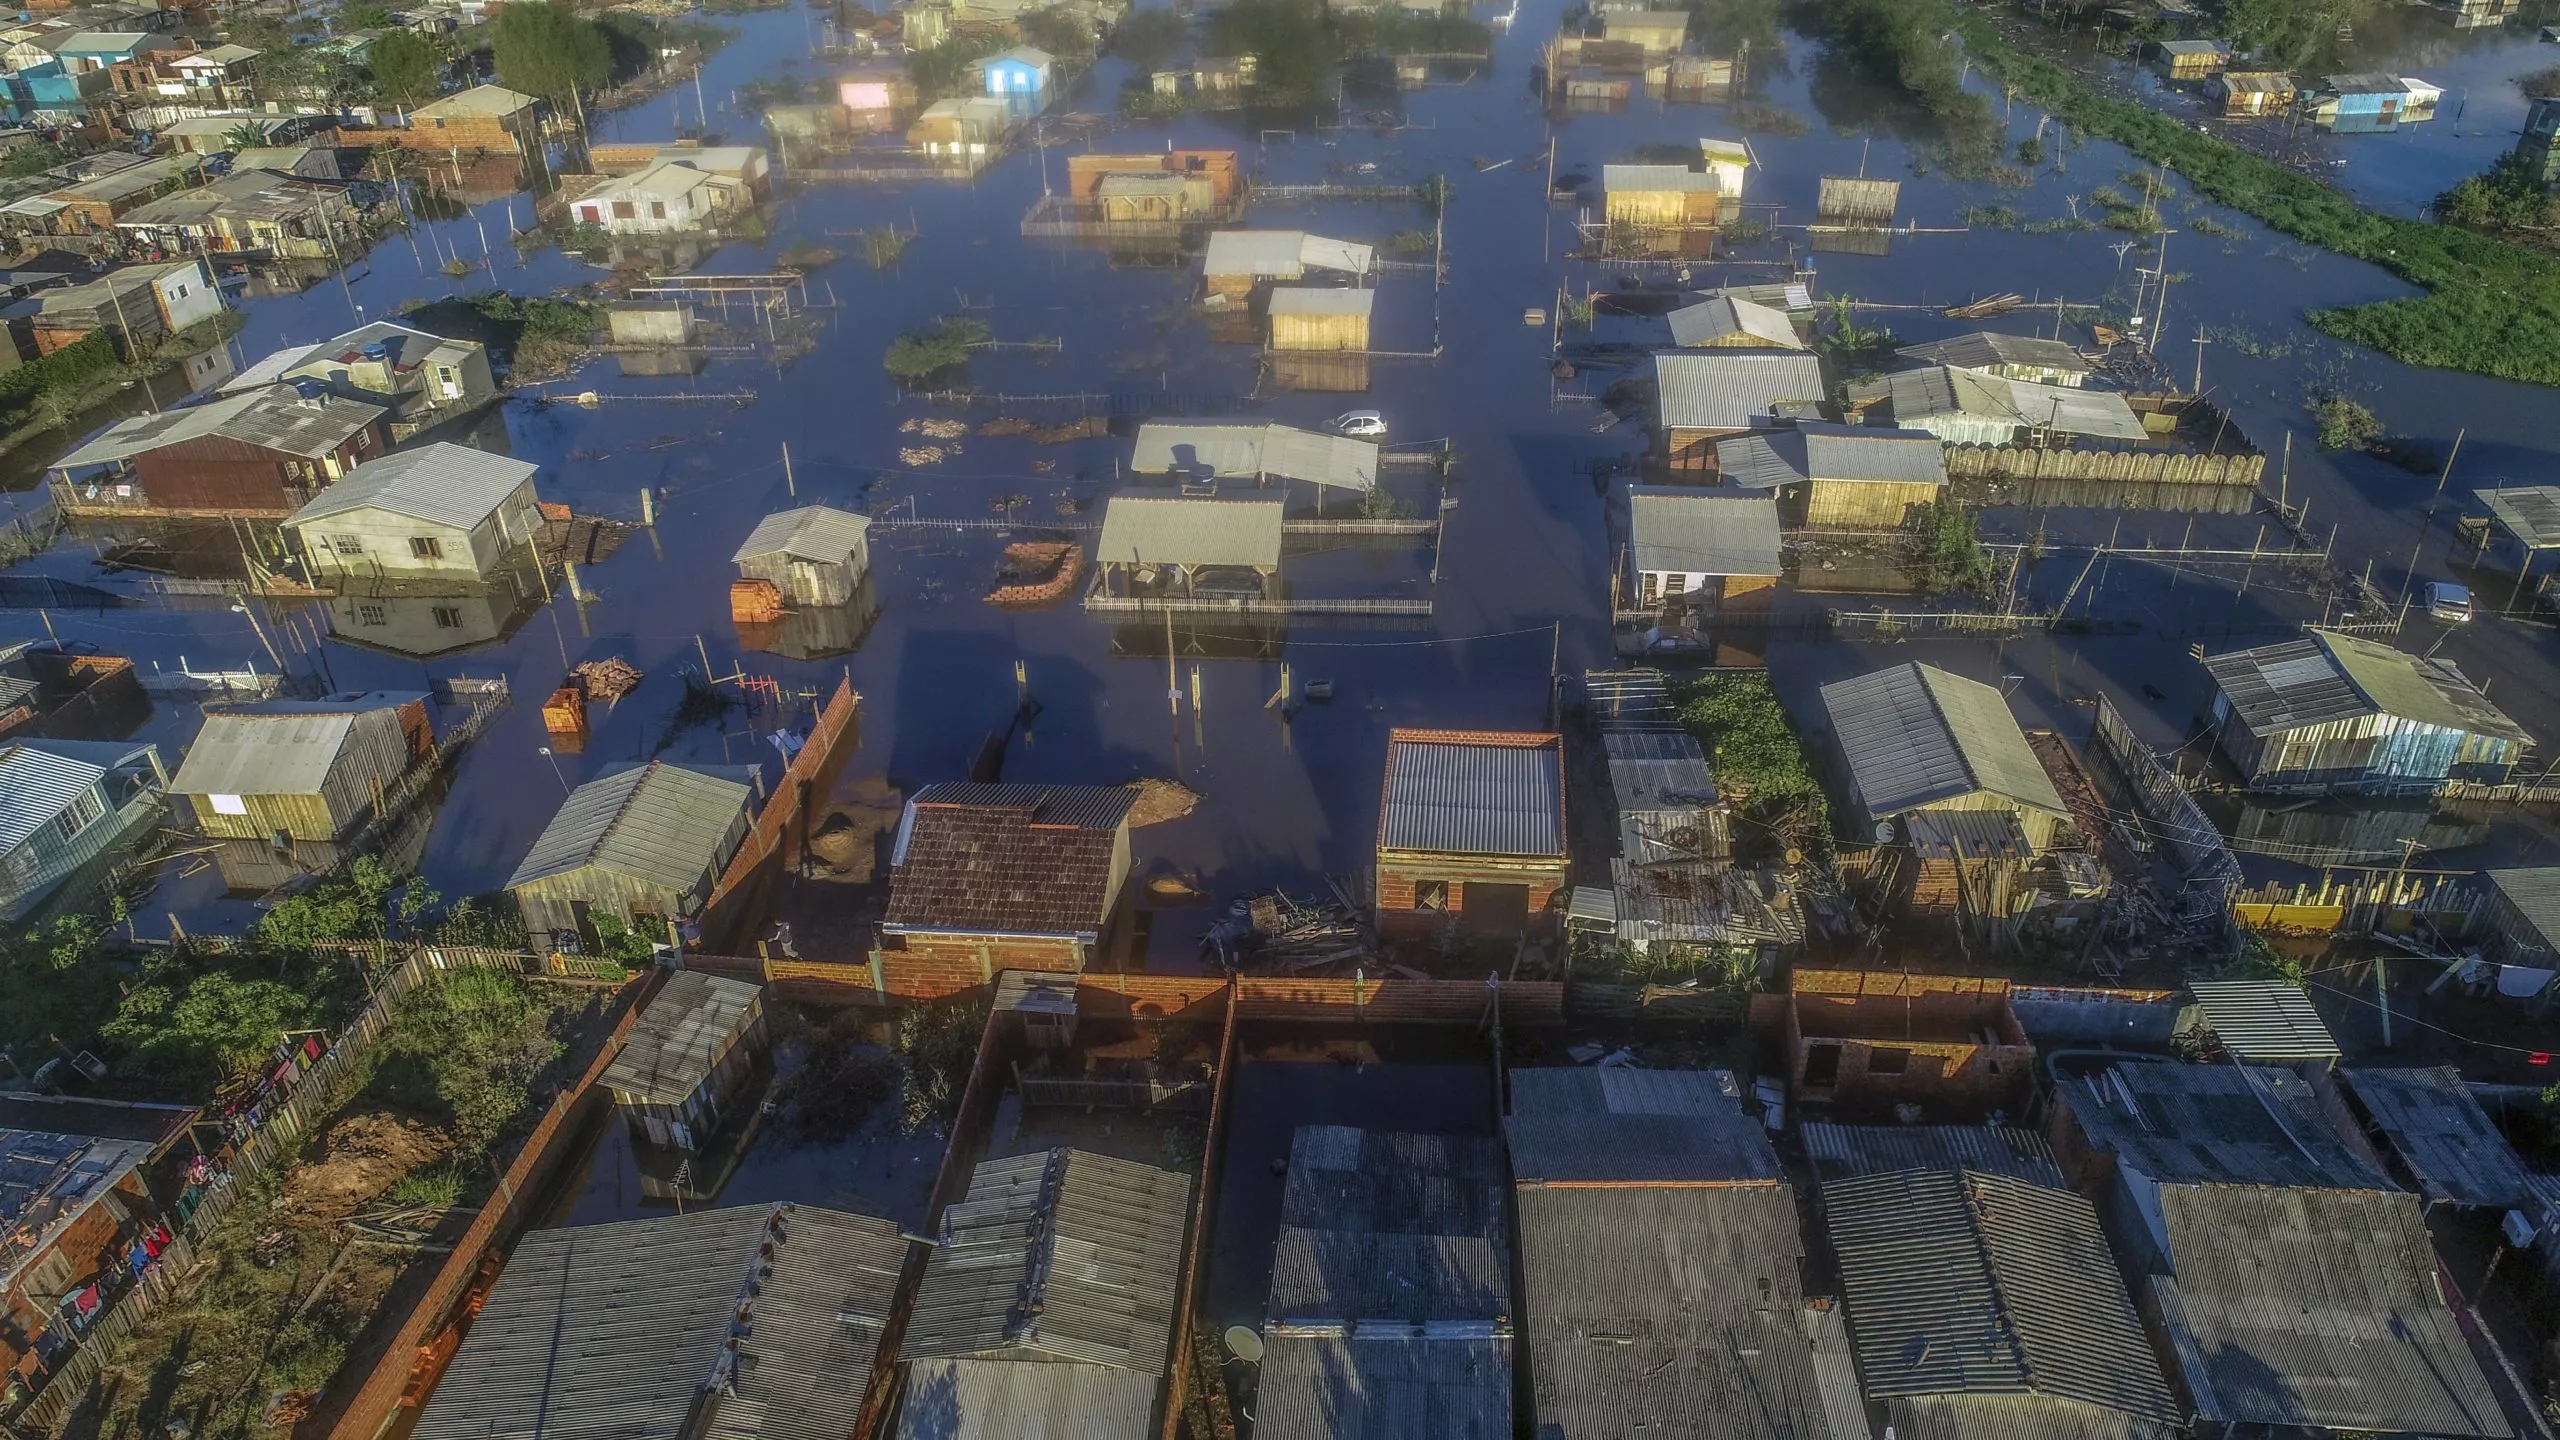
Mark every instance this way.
x=935 y=429
x=913 y=456
x=1274 y=931
x=606 y=680
x=1036 y=572
x=1160 y=800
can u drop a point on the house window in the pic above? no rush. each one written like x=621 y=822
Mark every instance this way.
x=364 y=441
x=82 y=811
x=1888 y=1062
x=346 y=544
x=622 y=210
x=657 y=209
x=178 y=293
x=447 y=617
x=1431 y=895
x=425 y=547
x=372 y=615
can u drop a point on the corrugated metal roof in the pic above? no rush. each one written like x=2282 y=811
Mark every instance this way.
x=1059 y=1256
x=1735 y=390
x=1473 y=792
x=618 y=1331
x=1321 y=300
x=1380 y=1225
x=1964 y=1283
x=1685 y=529
x=960 y=1399
x=1626 y=1125
x=2264 y=1020
x=673 y=1045
x=1840 y=1152
x=2449 y=1143
x=1966 y=835
x=39 y=779
x=1153 y=528
x=2317 y=1308
x=478 y=100
x=1918 y=396
x=2216 y=1125
x=811 y=532
x=2430 y=692
x=658 y=823
x=1989 y=349
x=279 y=748
x=1651 y=770
x=1630 y=700
x=275 y=419
x=2535 y=893
x=1916 y=735
x=1251 y=449
x=2531 y=513
x=442 y=484
x=1719 y=317
x=1637 y=178
x=1363 y=1387
x=1284 y=254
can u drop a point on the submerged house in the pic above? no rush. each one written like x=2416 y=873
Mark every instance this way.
x=738 y=1321
x=2337 y=714
x=1022 y=71
x=138 y=305
x=2251 y=94
x=1656 y=32
x=1048 y=1300
x=2366 y=103
x=65 y=804
x=670 y=196
x=1391 y=1302
x=1724 y=321
x=1471 y=832
x=420 y=378
x=443 y=512
x=1192 y=546
x=484 y=118
x=967 y=132
x=1307 y=317
x=2231 y=1200
x=1729 y=161
x=679 y=1072
x=1704 y=397
x=261 y=453
x=1975 y=407
x=997 y=877
x=1839 y=477
x=280 y=771
x=1693 y=549
x=1659 y=1259
x=813 y=556
x=1936 y=762
x=1238 y=260
x=2013 y=357
x=2190 y=59
x=1255 y=450
x=1659 y=197
x=644 y=845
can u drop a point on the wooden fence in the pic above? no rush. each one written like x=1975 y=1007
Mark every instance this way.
x=2142 y=467
x=272 y=1128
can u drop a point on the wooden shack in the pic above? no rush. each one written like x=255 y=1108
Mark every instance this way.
x=1659 y=197
x=678 y=1075
x=1847 y=200
x=815 y=555
x=287 y=770
x=2336 y=714
x=2190 y=59
x=1839 y=477
x=644 y=844
x=2251 y=94
x=1307 y=317
x=1656 y=32
x=1471 y=833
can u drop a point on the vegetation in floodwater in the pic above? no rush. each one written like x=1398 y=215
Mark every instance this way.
x=1434 y=192
x=2058 y=225
x=1293 y=43
x=2147 y=184
x=2208 y=226
x=534 y=334
x=2344 y=424
x=1991 y=217
x=1413 y=242
x=1399 y=32
x=1854 y=352
x=2507 y=197
x=2492 y=307
x=2031 y=152
x=1903 y=45
x=1759 y=761
x=882 y=245
x=2542 y=84
x=946 y=345
x=1577 y=310
x=1760 y=117
x=1742 y=230
x=1951 y=557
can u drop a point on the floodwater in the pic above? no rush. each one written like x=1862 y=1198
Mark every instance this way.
x=1522 y=575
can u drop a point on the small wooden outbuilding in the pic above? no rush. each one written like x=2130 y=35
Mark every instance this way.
x=2250 y=94
x=1839 y=477
x=2191 y=59
x=1857 y=200
x=1306 y=317
x=678 y=1074
x=1660 y=197
x=286 y=770
x=644 y=844
x=815 y=555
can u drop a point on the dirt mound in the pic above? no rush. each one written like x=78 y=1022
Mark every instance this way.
x=1162 y=800
x=361 y=1158
x=846 y=835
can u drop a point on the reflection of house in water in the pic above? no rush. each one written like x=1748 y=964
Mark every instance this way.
x=679 y=1080
x=1332 y=373
x=817 y=632
x=64 y=806
x=427 y=625
x=2313 y=832
x=1390 y=1288
x=50 y=692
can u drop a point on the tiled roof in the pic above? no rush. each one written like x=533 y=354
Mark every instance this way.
x=1007 y=859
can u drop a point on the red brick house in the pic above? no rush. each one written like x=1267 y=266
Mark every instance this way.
x=261 y=453
x=1471 y=832
x=987 y=878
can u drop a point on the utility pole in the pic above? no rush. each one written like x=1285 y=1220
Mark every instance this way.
x=2430 y=522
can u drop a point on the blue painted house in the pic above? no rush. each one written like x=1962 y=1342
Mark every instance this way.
x=1022 y=70
x=2333 y=714
x=2360 y=104
x=49 y=92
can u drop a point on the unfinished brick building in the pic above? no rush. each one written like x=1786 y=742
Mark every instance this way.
x=1862 y=1042
x=1471 y=832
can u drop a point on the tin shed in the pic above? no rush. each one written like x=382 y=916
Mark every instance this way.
x=301 y=769
x=644 y=844
x=1471 y=826
x=2337 y=714
x=1840 y=477
x=1659 y=197
x=1920 y=742
x=2250 y=94
x=815 y=555
x=682 y=1066
x=2190 y=59
x=1305 y=317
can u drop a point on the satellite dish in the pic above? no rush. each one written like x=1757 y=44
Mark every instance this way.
x=1243 y=1343
x=1884 y=832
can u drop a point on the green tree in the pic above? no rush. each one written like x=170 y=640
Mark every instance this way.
x=407 y=67
x=920 y=353
x=1293 y=45
x=1060 y=31
x=468 y=1042
x=1149 y=38
x=246 y=136
x=544 y=49
x=32 y=157
x=364 y=15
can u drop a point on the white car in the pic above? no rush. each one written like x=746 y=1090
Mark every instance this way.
x=1365 y=424
x=2448 y=602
